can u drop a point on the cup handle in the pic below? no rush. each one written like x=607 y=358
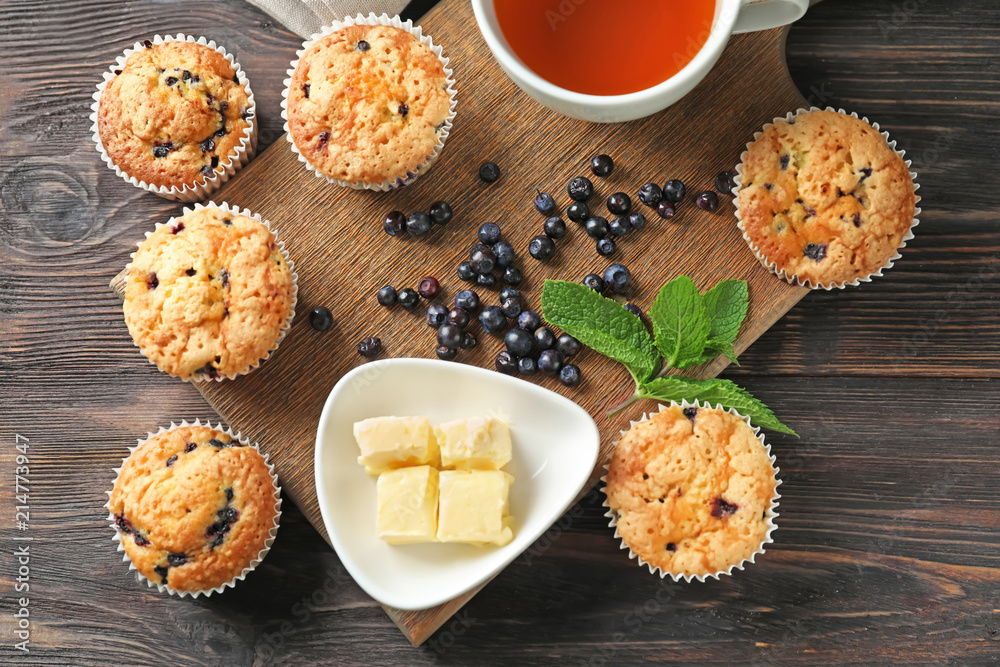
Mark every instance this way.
x=764 y=14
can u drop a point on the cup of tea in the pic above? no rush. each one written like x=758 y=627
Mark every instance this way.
x=607 y=62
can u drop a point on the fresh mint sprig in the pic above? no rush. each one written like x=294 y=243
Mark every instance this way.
x=689 y=328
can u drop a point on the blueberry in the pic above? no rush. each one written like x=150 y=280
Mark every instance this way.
x=527 y=366
x=650 y=194
x=492 y=319
x=554 y=228
x=489 y=233
x=578 y=211
x=161 y=151
x=436 y=315
x=387 y=296
x=489 y=172
x=665 y=209
x=176 y=560
x=634 y=309
x=545 y=339
x=529 y=319
x=508 y=292
x=512 y=275
x=707 y=201
x=320 y=318
x=482 y=260
x=690 y=413
x=469 y=341
x=544 y=203
x=506 y=363
x=504 y=252
x=619 y=203
x=370 y=347
x=362 y=45
x=541 y=248
x=569 y=375
x=617 y=277
x=418 y=224
x=519 y=342
x=673 y=190
x=637 y=220
x=446 y=353
x=597 y=227
x=594 y=282
x=487 y=280
x=619 y=227
x=440 y=212
x=549 y=362
x=408 y=298
x=602 y=165
x=512 y=307
x=815 y=251
x=568 y=346
x=429 y=287
x=722 y=508
x=466 y=272
x=458 y=316
x=725 y=181
x=580 y=189
x=605 y=247
x=449 y=335
x=160 y=570
x=468 y=300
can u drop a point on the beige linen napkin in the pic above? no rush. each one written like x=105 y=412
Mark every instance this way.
x=306 y=17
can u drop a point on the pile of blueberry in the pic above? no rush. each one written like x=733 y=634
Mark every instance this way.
x=418 y=223
x=532 y=347
x=492 y=254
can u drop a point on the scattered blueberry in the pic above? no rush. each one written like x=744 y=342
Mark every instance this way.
x=619 y=227
x=506 y=363
x=512 y=307
x=617 y=277
x=512 y=275
x=487 y=280
x=504 y=253
x=519 y=342
x=418 y=224
x=527 y=366
x=469 y=341
x=605 y=247
x=440 y=212
x=707 y=201
x=549 y=362
x=594 y=282
x=602 y=165
x=408 y=298
x=784 y=161
x=446 y=353
x=387 y=296
x=429 y=287
x=578 y=211
x=370 y=347
x=650 y=194
x=541 y=248
x=529 y=319
x=468 y=300
x=721 y=508
x=544 y=203
x=508 y=292
x=466 y=272
x=569 y=375
x=436 y=315
x=482 y=259
x=489 y=233
x=619 y=203
x=665 y=209
x=492 y=319
x=160 y=151
x=489 y=172
x=448 y=335
x=545 y=339
x=597 y=227
x=673 y=190
x=634 y=309
x=458 y=316
x=725 y=181
x=320 y=318
x=554 y=228
x=690 y=413
x=637 y=220
x=362 y=45
x=580 y=189
x=815 y=251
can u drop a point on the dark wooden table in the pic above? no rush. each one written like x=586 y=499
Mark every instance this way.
x=889 y=545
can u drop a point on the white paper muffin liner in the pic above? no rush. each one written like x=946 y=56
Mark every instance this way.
x=426 y=40
x=235 y=210
x=163 y=588
x=200 y=189
x=791 y=278
x=771 y=513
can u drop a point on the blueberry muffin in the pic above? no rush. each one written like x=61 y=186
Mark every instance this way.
x=194 y=507
x=368 y=104
x=208 y=294
x=174 y=115
x=691 y=491
x=824 y=198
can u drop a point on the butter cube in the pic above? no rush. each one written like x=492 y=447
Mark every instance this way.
x=482 y=443
x=407 y=505
x=387 y=443
x=472 y=507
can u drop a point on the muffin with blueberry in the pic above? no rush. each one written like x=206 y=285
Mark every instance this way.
x=210 y=294
x=369 y=106
x=194 y=508
x=692 y=491
x=824 y=200
x=177 y=117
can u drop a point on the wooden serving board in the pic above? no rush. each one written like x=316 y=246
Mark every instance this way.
x=342 y=255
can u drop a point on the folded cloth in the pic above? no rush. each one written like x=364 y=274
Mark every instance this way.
x=306 y=17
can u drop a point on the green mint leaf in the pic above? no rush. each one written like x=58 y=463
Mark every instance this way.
x=716 y=390
x=602 y=324
x=726 y=308
x=679 y=323
x=714 y=347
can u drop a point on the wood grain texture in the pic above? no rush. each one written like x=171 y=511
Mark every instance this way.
x=888 y=539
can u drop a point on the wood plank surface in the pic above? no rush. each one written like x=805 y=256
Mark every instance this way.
x=888 y=539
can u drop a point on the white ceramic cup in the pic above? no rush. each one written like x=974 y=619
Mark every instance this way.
x=731 y=16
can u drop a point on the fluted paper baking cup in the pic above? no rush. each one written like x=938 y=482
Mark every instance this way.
x=426 y=40
x=771 y=513
x=235 y=210
x=791 y=278
x=272 y=532
x=205 y=185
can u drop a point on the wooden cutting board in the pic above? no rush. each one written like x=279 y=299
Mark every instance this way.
x=342 y=255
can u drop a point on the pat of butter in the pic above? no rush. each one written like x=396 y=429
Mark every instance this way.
x=407 y=505
x=473 y=508
x=481 y=443
x=387 y=443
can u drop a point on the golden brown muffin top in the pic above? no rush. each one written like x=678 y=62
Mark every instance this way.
x=208 y=294
x=367 y=104
x=174 y=115
x=825 y=198
x=193 y=507
x=690 y=489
